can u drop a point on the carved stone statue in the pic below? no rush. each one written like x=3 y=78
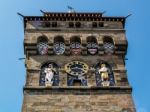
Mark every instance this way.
x=49 y=75
x=103 y=71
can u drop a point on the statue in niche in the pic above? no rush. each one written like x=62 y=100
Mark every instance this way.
x=49 y=71
x=104 y=73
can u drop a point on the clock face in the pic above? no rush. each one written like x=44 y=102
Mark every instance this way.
x=76 y=68
x=42 y=48
x=59 y=48
x=92 y=48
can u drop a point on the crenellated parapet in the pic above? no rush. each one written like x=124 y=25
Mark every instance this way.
x=75 y=62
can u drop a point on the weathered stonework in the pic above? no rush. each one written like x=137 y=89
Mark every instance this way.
x=78 y=103
x=64 y=98
x=33 y=68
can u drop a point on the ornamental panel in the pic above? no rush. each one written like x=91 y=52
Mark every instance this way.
x=49 y=75
x=104 y=74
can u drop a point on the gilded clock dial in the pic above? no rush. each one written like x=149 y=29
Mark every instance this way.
x=76 y=68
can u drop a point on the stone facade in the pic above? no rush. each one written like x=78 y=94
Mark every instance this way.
x=35 y=62
x=77 y=98
x=78 y=103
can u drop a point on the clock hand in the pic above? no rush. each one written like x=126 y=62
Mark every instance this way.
x=76 y=68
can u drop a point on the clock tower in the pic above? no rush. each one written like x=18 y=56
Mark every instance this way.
x=75 y=62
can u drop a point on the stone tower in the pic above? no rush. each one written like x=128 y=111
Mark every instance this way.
x=75 y=62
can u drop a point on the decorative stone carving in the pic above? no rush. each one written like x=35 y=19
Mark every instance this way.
x=104 y=75
x=49 y=75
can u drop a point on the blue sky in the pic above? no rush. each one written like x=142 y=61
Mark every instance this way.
x=12 y=70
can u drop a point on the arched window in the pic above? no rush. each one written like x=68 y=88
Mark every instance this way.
x=78 y=24
x=108 y=45
x=75 y=39
x=49 y=74
x=54 y=24
x=71 y=24
x=104 y=74
x=94 y=24
x=46 y=24
x=59 y=39
x=42 y=45
x=92 y=46
x=59 y=45
x=75 y=45
x=101 y=24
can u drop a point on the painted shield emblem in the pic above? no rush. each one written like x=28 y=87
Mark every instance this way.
x=59 y=48
x=108 y=47
x=92 y=48
x=75 y=51
x=42 y=48
x=75 y=48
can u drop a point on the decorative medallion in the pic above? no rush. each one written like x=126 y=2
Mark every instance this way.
x=76 y=68
x=108 y=47
x=59 y=48
x=75 y=48
x=42 y=48
x=92 y=48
